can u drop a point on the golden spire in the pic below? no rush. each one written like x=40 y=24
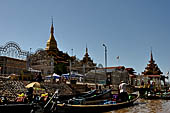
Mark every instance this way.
x=52 y=28
x=51 y=43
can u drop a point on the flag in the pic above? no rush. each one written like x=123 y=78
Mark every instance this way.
x=117 y=57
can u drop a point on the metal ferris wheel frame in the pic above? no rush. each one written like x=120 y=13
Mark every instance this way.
x=13 y=50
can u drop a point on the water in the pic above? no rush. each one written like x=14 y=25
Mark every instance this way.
x=146 y=106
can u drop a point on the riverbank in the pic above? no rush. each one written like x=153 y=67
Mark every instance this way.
x=12 y=88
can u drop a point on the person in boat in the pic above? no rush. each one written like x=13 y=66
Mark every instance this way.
x=123 y=95
x=3 y=100
x=147 y=87
x=30 y=94
x=153 y=88
x=142 y=83
x=21 y=98
x=44 y=97
x=36 y=98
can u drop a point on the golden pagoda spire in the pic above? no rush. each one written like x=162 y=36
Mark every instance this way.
x=51 y=43
x=52 y=28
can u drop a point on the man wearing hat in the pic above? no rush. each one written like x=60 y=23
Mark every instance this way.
x=123 y=95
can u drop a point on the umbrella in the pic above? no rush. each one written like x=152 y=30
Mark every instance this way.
x=33 y=84
x=55 y=76
x=48 y=77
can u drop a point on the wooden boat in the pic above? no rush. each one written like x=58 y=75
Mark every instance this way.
x=94 y=108
x=103 y=95
x=165 y=96
x=83 y=95
x=16 y=108
x=88 y=94
x=93 y=99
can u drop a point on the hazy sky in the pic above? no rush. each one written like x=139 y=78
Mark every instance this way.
x=129 y=28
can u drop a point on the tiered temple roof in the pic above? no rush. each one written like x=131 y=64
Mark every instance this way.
x=87 y=60
x=85 y=64
x=152 y=68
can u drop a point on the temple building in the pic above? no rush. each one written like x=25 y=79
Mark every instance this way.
x=152 y=68
x=40 y=61
x=51 y=59
x=52 y=50
x=152 y=74
x=83 y=66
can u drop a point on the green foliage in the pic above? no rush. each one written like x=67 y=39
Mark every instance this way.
x=60 y=68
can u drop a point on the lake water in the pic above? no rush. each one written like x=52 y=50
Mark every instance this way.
x=146 y=106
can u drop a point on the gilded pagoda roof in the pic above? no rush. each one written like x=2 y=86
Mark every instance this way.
x=51 y=43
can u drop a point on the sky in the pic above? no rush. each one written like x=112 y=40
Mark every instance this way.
x=129 y=29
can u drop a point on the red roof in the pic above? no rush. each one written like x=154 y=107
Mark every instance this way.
x=129 y=69
x=153 y=75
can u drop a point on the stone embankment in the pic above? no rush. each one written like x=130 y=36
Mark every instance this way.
x=11 y=89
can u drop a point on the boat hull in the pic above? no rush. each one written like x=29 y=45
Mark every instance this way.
x=90 y=109
x=68 y=108
x=16 y=108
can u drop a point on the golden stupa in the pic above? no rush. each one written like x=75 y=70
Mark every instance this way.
x=51 y=43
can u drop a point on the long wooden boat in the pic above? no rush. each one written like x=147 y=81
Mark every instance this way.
x=89 y=93
x=16 y=108
x=103 y=95
x=27 y=108
x=83 y=95
x=95 y=108
x=93 y=99
x=164 y=96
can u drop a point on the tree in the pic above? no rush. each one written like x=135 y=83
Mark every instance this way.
x=60 y=68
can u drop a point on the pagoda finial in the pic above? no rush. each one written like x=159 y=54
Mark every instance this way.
x=52 y=28
x=52 y=19
x=86 y=55
x=86 y=49
x=151 y=55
